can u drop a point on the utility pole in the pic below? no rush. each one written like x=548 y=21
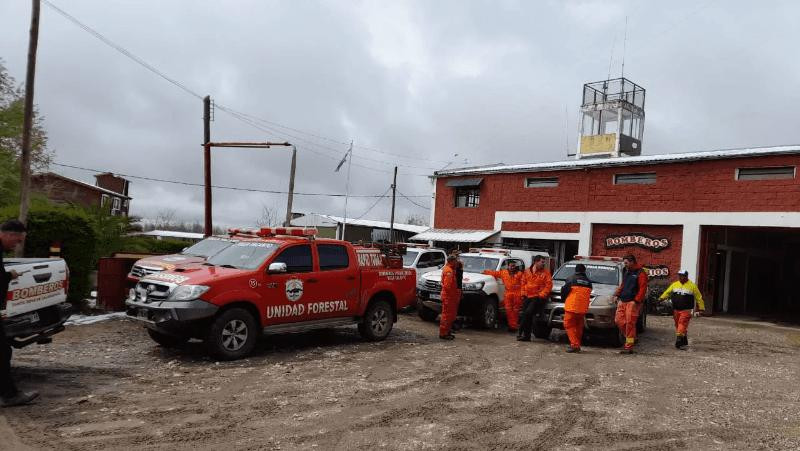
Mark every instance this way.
x=394 y=194
x=208 y=228
x=27 y=123
x=288 y=221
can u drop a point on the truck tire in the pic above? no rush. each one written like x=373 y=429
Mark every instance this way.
x=378 y=321
x=641 y=323
x=425 y=313
x=165 y=340
x=232 y=335
x=486 y=314
x=541 y=330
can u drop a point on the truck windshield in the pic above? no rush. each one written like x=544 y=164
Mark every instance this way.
x=409 y=258
x=600 y=274
x=207 y=247
x=479 y=264
x=244 y=255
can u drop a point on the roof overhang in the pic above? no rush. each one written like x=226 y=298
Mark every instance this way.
x=455 y=235
x=465 y=183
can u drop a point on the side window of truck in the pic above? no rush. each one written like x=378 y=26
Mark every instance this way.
x=424 y=260
x=332 y=256
x=297 y=258
x=437 y=259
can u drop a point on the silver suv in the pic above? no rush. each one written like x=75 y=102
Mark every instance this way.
x=606 y=275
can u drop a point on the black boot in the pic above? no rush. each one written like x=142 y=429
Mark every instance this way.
x=678 y=342
x=21 y=398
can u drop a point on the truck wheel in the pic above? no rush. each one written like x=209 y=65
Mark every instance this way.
x=378 y=321
x=486 y=315
x=232 y=335
x=425 y=313
x=165 y=340
x=641 y=324
x=540 y=330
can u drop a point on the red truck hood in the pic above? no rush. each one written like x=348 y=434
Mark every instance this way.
x=197 y=275
x=169 y=262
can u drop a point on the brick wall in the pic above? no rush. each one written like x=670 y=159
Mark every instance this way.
x=555 y=227
x=60 y=190
x=111 y=182
x=671 y=256
x=690 y=186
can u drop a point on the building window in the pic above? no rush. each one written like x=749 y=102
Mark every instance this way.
x=126 y=203
x=104 y=200
x=541 y=182
x=468 y=197
x=116 y=204
x=643 y=178
x=771 y=173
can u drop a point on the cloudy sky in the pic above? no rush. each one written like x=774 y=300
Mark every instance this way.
x=412 y=83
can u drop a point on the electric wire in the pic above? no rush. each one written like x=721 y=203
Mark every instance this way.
x=375 y=204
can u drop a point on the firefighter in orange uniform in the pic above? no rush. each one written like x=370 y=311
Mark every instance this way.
x=512 y=300
x=451 y=296
x=686 y=298
x=537 y=284
x=630 y=297
x=576 y=292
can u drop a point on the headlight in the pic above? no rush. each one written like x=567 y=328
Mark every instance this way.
x=187 y=292
x=474 y=286
x=603 y=301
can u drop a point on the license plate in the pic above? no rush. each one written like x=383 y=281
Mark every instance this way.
x=436 y=296
x=33 y=317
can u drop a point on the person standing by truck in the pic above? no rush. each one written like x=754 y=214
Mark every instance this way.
x=512 y=299
x=686 y=298
x=537 y=285
x=451 y=296
x=576 y=292
x=630 y=297
x=12 y=233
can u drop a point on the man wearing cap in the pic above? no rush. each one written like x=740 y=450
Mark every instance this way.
x=685 y=298
x=630 y=297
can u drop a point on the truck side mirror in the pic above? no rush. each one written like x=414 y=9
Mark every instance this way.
x=277 y=268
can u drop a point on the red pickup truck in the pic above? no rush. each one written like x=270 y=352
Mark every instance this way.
x=273 y=280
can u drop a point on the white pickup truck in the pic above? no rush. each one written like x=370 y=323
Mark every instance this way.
x=36 y=306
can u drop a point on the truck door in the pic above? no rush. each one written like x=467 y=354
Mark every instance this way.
x=288 y=294
x=338 y=281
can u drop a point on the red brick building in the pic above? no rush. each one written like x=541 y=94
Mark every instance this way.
x=110 y=191
x=731 y=217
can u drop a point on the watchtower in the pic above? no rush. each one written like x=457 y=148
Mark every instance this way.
x=612 y=119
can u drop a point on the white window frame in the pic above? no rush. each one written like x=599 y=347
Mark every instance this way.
x=752 y=173
x=635 y=178
x=104 y=199
x=541 y=182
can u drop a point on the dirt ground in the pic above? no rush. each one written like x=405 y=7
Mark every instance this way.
x=107 y=386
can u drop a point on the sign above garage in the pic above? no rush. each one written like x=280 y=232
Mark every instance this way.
x=637 y=239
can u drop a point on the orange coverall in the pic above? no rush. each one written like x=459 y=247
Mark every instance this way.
x=512 y=300
x=576 y=293
x=631 y=293
x=537 y=285
x=451 y=296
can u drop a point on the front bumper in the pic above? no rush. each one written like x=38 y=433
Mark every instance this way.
x=171 y=317
x=598 y=317
x=469 y=299
x=22 y=331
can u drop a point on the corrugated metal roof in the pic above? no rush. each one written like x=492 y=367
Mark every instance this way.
x=319 y=220
x=625 y=161
x=455 y=235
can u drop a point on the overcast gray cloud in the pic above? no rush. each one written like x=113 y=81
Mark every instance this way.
x=490 y=81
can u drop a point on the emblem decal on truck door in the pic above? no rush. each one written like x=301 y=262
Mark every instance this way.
x=294 y=289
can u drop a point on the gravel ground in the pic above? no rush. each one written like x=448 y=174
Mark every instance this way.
x=106 y=386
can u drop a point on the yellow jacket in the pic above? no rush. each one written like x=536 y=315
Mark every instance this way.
x=684 y=295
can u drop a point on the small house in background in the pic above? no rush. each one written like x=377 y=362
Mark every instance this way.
x=109 y=191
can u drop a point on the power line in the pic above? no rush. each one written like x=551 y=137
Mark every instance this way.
x=376 y=203
x=234 y=188
x=189 y=91
x=408 y=199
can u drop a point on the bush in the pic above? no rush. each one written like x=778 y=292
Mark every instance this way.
x=48 y=224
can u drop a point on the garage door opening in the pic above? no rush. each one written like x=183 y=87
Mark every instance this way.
x=752 y=271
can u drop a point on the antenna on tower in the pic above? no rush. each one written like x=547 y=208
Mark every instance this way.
x=624 y=47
